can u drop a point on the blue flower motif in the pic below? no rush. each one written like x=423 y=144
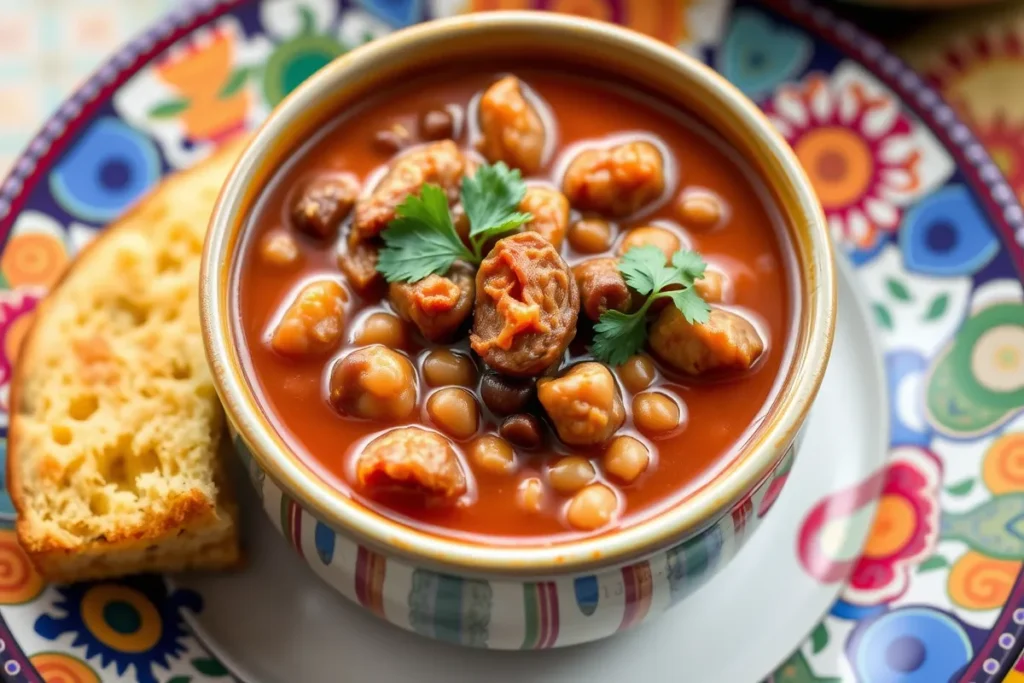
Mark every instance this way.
x=134 y=622
x=397 y=13
x=758 y=54
x=947 y=234
x=107 y=169
x=323 y=537
x=907 y=430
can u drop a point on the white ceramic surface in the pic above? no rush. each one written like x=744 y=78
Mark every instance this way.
x=278 y=623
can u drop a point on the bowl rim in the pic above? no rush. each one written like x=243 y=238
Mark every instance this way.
x=704 y=507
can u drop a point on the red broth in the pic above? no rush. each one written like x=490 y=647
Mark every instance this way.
x=748 y=246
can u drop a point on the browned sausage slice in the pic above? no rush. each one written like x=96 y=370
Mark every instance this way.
x=602 y=287
x=512 y=130
x=727 y=341
x=412 y=460
x=527 y=303
x=437 y=305
x=440 y=163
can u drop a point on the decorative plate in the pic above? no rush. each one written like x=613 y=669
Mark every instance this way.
x=913 y=197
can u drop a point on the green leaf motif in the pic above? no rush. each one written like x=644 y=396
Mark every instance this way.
x=932 y=563
x=882 y=315
x=210 y=667
x=937 y=307
x=898 y=290
x=168 y=110
x=961 y=488
x=819 y=638
x=234 y=83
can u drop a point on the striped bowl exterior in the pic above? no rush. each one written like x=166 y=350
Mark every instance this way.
x=509 y=614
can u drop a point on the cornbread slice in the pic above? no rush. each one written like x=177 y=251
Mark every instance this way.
x=113 y=450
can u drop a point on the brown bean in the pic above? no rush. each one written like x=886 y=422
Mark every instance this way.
x=523 y=430
x=701 y=209
x=374 y=383
x=442 y=367
x=592 y=508
x=391 y=140
x=530 y=495
x=570 y=474
x=454 y=411
x=638 y=372
x=590 y=235
x=505 y=395
x=279 y=249
x=324 y=203
x=492 y=454
x=626 y=459
x=655 y=413
x=437 y=124
x=662 y=238
x=382 y=328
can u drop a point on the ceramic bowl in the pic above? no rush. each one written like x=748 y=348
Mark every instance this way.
x=531 y=596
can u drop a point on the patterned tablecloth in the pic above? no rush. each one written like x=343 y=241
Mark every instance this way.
x=975 y=58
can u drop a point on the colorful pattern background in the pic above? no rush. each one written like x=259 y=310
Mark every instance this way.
x=912 y=198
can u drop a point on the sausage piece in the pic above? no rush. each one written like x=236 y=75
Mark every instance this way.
x=374 y=383
x=617 y=181
x=512 y=130
x=436 y=305
x=313 y=322
x=358 y=261
x=412 y=460
x=727 y=341
x=324 y=203
x=526 y=306
x=440 y=163
x=550 y=211
x=584 y=404
x=602 y=287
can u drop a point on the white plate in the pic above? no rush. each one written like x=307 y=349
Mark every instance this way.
x=277 y=623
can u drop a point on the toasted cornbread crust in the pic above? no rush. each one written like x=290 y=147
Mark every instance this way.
x=115 y=462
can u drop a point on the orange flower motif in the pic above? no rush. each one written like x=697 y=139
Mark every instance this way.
x=980 y=582
x=213 y=103
x=1003 y=467
x=57 y=667
x=19 y=581
x=33 y=259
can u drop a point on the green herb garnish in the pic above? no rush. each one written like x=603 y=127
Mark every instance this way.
x=422 y=239
x=618 y=335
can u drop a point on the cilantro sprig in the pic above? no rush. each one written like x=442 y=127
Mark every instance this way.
x=422 y=239
x=618 y=335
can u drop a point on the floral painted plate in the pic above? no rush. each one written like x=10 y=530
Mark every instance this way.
x=912 y=197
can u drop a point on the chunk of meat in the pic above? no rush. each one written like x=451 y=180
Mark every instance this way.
x=617 y=181
x=550 y=211
x=313 y=322
x=374 y=383
x=727 y=341
x=584 y=404
x=437 y=305
x=324 y=203
x=527 y=303
x=358 y=261
x=439 y=163
x=414 y=461
x=602 y=287
x=512 y=129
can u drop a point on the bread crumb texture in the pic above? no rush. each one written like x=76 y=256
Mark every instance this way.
x=115 y=463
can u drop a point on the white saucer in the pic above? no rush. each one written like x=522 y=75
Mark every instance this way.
x=277 y=623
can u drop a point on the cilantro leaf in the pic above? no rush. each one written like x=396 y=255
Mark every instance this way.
x=644 y=269
x=691 y=305
x=690 y=265
x=491 y=198
x=421 y=240
x=618 y=335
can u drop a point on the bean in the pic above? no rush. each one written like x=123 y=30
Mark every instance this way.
x=592 y=508
x=638 y=372
x=492 y=454
x=530 y=495
x=505 y=395
x=454 y=411
x=279 y=249
x=442 y=367
x=626 y=459
x=382 y=328
x=436 y=124
x=655 y=413
x=590 y=235
x=523 y=430
x=570 y=474
x=663 y=239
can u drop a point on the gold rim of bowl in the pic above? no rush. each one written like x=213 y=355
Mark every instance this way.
x=567 y=41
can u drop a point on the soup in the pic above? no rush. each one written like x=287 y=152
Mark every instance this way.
x=522 y=305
